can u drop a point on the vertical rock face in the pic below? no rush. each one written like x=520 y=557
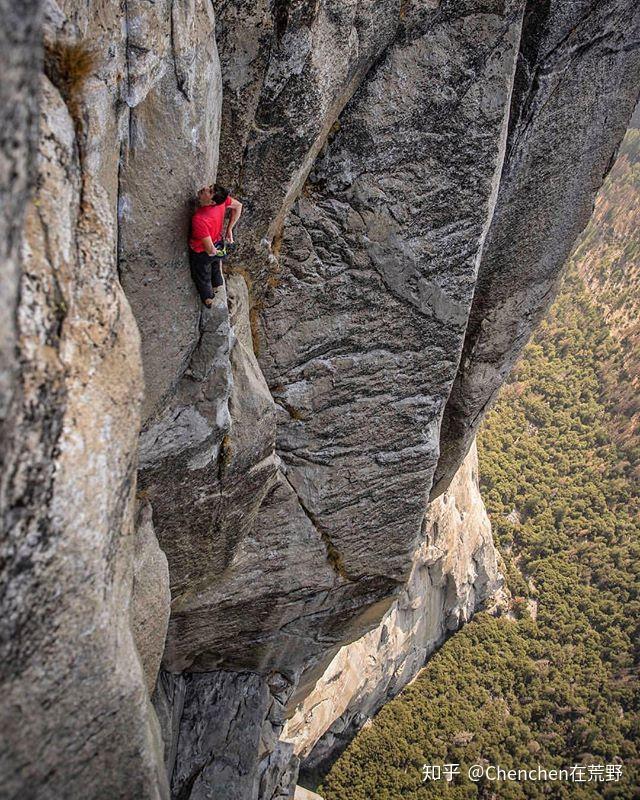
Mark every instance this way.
x=151 y=599
x=224 y=730
x=73 y=687
x=224 y=739
x=169 y=150
x=289 y=69
x=72 y=684
x=378 y=267
x=218 y=434
x=359 y=341
x=454 y=572
x=22 y=57
x=575 y=88
x=413 y=175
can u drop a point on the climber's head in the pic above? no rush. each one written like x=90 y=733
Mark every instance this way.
x=214 y=194
x=220 y=194
x=205 y=195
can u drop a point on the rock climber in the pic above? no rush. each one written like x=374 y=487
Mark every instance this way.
x=210 y=234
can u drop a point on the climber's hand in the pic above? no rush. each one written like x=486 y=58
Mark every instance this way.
x=229 y=236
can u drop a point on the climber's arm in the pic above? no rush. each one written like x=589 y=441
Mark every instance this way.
x=208 y=245
x=234 y=216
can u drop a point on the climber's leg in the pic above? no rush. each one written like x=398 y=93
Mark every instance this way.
x=216 y=273
x=201 y=272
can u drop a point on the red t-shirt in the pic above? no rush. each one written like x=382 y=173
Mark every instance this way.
x=207 y=221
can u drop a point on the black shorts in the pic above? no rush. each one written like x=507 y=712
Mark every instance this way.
x=206 y=272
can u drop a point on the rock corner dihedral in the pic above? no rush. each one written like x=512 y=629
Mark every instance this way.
x=413 y=177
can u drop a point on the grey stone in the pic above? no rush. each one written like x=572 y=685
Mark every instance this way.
x=168 y=702
x=220 y=435
x=169 y=150
x=279 y=557
x=151 y=601
x=233 y=479
x=362 y=333
x=184 y=440
x=148 y=30
x=248 y=618
x=221 y=740
x=288 y=70
x=576 y=87
x=74 y=695
x=367 y=141
x=454 y=573
x=21 y=64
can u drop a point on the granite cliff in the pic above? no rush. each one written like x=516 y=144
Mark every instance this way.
x=240 y=493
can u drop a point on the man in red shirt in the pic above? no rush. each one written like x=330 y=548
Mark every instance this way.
x=206 y=244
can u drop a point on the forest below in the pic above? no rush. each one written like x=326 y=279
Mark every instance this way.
x=552 y=682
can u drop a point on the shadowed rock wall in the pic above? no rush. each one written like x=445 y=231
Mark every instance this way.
x=576 y=86
x=454 y=573
x=360 y=330
x=413 y=176
x=75 y=711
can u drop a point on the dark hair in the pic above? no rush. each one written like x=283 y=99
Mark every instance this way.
x=220 y=194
